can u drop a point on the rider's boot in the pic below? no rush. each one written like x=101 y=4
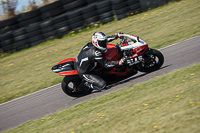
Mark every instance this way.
x=87 y=84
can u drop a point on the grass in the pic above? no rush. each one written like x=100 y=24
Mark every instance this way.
x=29 y=70
x=165 y=104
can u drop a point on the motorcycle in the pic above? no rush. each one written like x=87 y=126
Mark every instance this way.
x=139 y=58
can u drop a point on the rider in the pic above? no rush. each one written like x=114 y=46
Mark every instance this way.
x=91 y=55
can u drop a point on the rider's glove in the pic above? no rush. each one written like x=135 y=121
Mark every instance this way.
x=115 y=36
x=118 y=35
x=122 y=61
x=121 y=37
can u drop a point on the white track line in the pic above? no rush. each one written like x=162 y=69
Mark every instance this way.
x=178 y=43
x=30 y=94
x=60 y=83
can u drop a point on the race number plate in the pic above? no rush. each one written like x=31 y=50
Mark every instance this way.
x=135 y=60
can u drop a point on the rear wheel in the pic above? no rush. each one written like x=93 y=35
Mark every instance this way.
x=70 y=84
x=152 y=61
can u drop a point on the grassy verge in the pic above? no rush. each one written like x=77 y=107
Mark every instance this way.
x=168 y=103
x=28 y=71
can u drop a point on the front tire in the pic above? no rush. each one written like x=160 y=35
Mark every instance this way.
x=152 y=61
x=69 y=86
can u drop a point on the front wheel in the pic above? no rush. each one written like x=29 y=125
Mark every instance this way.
x=152 y=61
x=69 y=86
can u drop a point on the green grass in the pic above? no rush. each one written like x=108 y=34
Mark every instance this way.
x=29 y=70
x=165 y=104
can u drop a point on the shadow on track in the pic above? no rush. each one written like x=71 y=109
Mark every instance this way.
x=134 y=77
x=125 y=80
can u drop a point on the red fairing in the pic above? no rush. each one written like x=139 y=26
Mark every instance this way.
x=66 y=73
x=67 y=60
x=133 y=35
x=74 y=72
x=111 y=54
x=140 y=50
x=113 y=71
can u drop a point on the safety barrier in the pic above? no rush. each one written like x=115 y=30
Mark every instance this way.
x=60 y=17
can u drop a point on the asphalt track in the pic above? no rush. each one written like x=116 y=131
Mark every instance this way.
x=48 y=101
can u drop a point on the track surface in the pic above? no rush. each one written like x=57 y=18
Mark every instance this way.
x=52 y=99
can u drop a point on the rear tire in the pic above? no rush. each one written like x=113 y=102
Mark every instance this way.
x=153 y=60
x=70 y=83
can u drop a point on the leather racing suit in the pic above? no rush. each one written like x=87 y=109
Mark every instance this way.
x=88 y=58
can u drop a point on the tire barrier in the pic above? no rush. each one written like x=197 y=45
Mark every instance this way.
x=47 y=29
x=51 y=10
x=76 y=4
x=75 y=20
x=90 y=1
x=25 y=19
x=134 y=6
x=120 y=8
x=61 y=25
x=62 y=16
x=150 y=4
x=90 y=14
x=105 y=11
x=20 y=39
x=34 y=34
x=124 y=8
x=6 y=44
x=9 y=25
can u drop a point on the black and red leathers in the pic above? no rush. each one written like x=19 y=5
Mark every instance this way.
x=88 y=59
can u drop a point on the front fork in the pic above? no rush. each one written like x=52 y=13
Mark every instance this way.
x=135 y=60
x=147 y=51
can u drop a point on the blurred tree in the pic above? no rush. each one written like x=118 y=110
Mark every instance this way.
x=9 y=7
x=45 y=1
x=31 y=6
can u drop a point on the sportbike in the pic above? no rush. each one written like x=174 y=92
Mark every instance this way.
x=139 y=58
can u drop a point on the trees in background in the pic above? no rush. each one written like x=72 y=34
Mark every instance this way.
x=9 y=7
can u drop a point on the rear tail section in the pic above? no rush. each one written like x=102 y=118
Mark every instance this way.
x=65 y=67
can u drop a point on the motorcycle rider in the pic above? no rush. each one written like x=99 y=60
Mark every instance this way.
x=91 y=56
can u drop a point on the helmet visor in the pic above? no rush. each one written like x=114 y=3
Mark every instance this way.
x=103 y=43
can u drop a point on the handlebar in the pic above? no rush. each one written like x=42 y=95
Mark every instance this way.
x=137 y=42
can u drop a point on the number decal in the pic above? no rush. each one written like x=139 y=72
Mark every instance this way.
x=134 y=60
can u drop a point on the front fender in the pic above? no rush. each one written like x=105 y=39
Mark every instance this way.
x=149 y=50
